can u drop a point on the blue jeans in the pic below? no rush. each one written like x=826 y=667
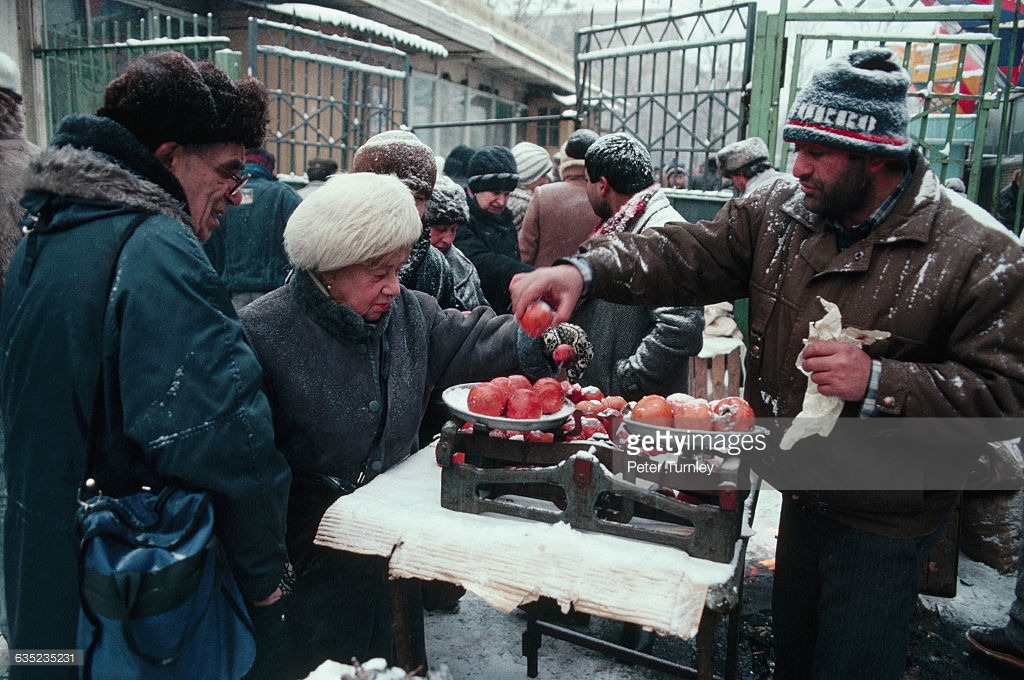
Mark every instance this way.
x=842 y=598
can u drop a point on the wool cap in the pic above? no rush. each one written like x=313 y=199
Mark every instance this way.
x=166 y=97
x=456 y=163
x=402 y=154
x=353 y=218
x=672 y=168
x=448 y=205
x=574 y=151
x=492 y=168
x=319 y=169
x=532 y=162
x=734 y=157
x=857 y=103
x=10 y=75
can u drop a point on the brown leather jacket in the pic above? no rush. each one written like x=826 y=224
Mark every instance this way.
x=940 y=274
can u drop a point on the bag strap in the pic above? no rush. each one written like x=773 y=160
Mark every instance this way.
x=91 y=442
x=92 y=438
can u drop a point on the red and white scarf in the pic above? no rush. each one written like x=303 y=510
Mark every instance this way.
x=629 y=214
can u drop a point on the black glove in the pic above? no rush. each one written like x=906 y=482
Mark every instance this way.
x=576 y=338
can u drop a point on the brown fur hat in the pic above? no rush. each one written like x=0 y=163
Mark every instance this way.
x=166 y=97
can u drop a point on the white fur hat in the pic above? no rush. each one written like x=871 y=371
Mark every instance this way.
x=353 y=218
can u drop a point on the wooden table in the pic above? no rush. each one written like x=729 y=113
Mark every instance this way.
x=510 y=562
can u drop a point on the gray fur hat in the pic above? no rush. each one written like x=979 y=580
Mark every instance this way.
x=448 y=204
x=734 y=157
x=857 y=103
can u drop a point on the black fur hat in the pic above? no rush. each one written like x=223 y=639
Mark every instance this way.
x=493 y=168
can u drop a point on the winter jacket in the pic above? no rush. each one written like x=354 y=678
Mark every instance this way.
x=939 y=274
x=247 y=249
x=428 y=271
x=336 y=380
x=15 y=152
x=490 y=242
x=640 y=350
x=766 y=177
x=181 y=401
x=468 y=290
x=558 y=219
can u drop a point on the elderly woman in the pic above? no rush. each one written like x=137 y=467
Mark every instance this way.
x=350 y=358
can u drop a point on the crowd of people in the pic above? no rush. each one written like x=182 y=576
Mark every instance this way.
x=281 y=348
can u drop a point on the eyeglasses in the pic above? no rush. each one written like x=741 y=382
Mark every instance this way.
x=237 y=179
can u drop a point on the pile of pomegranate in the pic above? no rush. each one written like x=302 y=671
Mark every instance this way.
x=595 y=414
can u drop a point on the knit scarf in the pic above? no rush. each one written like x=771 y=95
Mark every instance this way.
x=629 y=214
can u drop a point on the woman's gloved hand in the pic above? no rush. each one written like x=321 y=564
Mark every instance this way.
x=567 y=345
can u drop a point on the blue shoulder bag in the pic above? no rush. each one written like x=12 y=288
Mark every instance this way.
x=157 y=596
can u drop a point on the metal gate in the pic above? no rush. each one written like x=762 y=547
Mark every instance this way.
x=677 y=82
x=328 y=93
x=79 y=59
x=686 y=84
x=956 y=83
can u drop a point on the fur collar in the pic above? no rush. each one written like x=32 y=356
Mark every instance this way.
x=338 y=320
x=94 y=159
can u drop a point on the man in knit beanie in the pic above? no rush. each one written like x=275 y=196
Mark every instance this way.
x=869 y=229
x=559 y=217
x=533 y=163
x=746 y=163
x=402 y=154
x=489 y=238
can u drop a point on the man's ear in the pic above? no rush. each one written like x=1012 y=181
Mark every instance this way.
x=603 y=186
x=166 y=151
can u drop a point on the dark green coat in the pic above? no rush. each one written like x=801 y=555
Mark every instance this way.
x=181 y=403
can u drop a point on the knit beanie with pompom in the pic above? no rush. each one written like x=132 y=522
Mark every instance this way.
x=856 y=103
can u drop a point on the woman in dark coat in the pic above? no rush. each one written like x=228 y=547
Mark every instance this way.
x=489 y=239
x=351 y=357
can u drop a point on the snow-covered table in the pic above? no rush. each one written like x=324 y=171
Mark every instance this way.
x=511 y=562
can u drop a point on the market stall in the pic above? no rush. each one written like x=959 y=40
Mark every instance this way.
x=511 y=561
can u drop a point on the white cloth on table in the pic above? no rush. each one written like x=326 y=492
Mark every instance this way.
x=509 y=561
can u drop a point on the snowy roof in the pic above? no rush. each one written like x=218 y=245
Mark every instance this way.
x=336 y=17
